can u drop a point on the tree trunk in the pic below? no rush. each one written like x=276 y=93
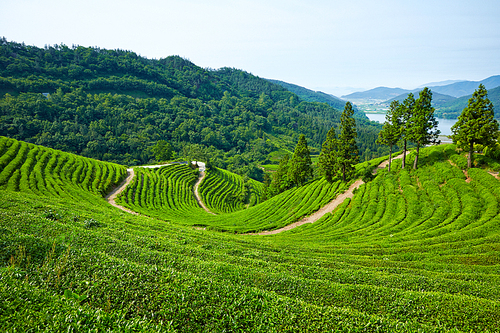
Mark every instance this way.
x=404 y=156
x=416 y=158
x=469 y=158
x=390 y=157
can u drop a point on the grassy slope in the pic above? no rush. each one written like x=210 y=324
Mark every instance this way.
x=413 y=250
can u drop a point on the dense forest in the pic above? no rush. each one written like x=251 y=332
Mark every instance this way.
x=114 y=105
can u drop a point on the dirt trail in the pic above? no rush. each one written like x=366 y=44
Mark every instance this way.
x=113 y=194
x=318 y=214
x=494 y=174
x=328 y=208
x=130 y=176
x=385 y=163
x=197 y=184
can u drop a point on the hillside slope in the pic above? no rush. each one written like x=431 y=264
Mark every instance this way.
x=411 y=251
x=379 y=93
x=318 y=96
x=438 y=100
x=464 y=88
x=454 y=108
x=114 y=105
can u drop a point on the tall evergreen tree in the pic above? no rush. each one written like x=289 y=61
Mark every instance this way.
x=404 y=114
x=280 y=180
x=422 y=124
x=348 y=149
x=328 y=159
x=391 y=131
x=476 y=124
x=300 y=165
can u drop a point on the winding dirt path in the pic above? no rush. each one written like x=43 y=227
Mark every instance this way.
x=330 y=207
x=385 y=163
x=119 y=189
x=111 y=197
x=197 y=185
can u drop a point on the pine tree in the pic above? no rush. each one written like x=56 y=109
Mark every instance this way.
x=476 y=124
x=404 y=114
x=280 y=180
x=422 y=124
x=391 y=131
x=300 y=165
x=328 y=159
x=348 y=149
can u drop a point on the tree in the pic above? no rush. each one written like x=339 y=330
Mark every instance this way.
x=280 y=180
x=422 y=124
x=328 y=159
x=404 y=114
x=391 y=131
x=300 y=165
x=476 y=124
x=162 y=151
x=348 y=149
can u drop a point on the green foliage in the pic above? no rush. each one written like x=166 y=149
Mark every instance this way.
x=318 y=96
x=300 y=168
x=46 y=171
x=225 y=192
x=391 y=132
x=328 y=159
x=476 y=124
x=348 y=150
x=452 y=109
x=279 y=181
x=162 y=151
x=91 y=223
x=114 y=105
x=422 y=124
x=409 y=244
x=404 y=114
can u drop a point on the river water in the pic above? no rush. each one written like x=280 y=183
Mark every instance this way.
x=444 y=124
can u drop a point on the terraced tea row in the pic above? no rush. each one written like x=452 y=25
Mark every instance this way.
x=430 y=215
x=165 y=193
x=225 y=192
x=164 y=270
x=30 y=168
x=405 y=254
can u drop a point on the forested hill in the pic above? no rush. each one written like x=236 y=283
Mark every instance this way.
x=115 y=105
x=454 y=108
x=318 y=96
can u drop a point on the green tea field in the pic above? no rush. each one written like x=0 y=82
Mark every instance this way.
x=408 y=251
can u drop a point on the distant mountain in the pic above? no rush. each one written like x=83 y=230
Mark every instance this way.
x=455 y=89
x=465 y=88
x=317 y=96
x=454 y=108
x=438 y=100
x=379 y=93
x=440 y=83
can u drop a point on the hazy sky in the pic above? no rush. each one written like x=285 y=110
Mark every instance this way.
x=318 y=44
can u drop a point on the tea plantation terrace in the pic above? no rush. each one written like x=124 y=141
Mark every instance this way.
x=411 y=251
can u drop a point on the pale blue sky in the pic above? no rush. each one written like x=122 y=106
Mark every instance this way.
x=317 y=44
